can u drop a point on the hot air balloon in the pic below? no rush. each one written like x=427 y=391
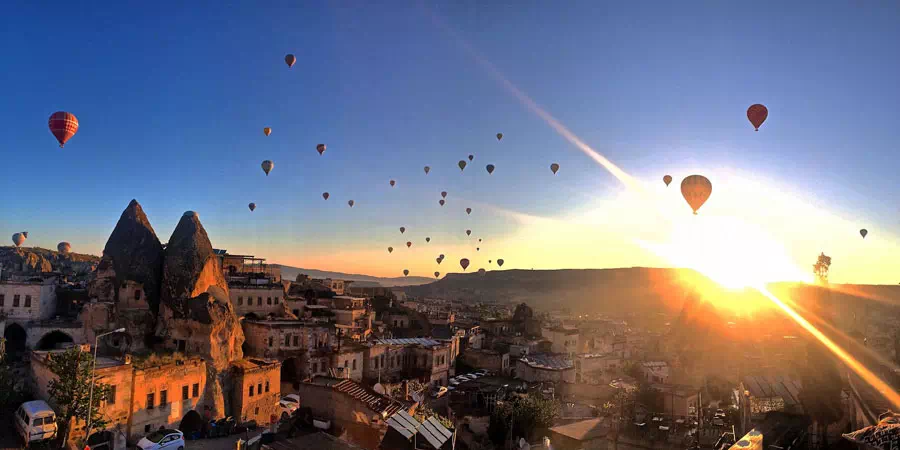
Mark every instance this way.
x=490 y=168
x=500 y=262
x=481 y=271
x=757 y=115
x=18 y=239
x=696 y=189
x=554 y=167
x=63 y=125
x=290 y=59
x=64 y=247
x=25 y=233
x=489 y=261
x=252 y=206
x=462 y=165
x=438 y=259
x=427 y=169
x=408 y=244
x=267 y=131
x=437 y=274
x=471 y=157
x=667 y=179
x=863 y=232
x=479 y=239
x=393 y=183
x=325 y=195
x=267 y=166
x=441 y=256
x=499 y=136
x=402 y=230
x=464 y=263
x=468 y=232
x=427 y=239
x=468 y=211
x=405 y=272
x=390 y=249
x=350 y=203
x=444 y=194
x=320 y=148
x=477 y=249
x=441 y=201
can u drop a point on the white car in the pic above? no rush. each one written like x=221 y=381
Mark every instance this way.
x=453 y=382
x=165 y=439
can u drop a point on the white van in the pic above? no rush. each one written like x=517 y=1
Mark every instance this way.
x=35 y=421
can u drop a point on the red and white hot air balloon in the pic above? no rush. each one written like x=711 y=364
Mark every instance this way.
x=63 y=125
x=696 y=190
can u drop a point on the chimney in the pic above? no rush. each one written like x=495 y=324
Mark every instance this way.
x=405 y=389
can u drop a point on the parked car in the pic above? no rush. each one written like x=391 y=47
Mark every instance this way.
x=483 y=372
x=453 y=382
x=165 y=439
x=35 y=421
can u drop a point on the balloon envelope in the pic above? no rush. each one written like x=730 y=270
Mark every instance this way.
x=863 y=232
x=500 y=262
x=393 y=183
x=490 y=168
x=64 y=247
x=63 y=125
x=325 y=195
x=18 y=239
x=427 y=169
x=351 y=202
x=408 y=244
x=464 y=263
x=402 y=230
x=267 y=131
x=290 y=59
x=444 y=194
x=390 y=249
x=320 y=148
x=427 y=239
x=757 y=114
x=468 y=232
x=438 y=259
x=696 y=190
x=471 y=157
x=499 y=136
x=405 y=272
x=267 y=166
x=481 y=271
x=437 y=274
x=441 y=201
x=462 y=165
x=468 y=210
x=554 y=167
x=667 y=179
x=252 y=206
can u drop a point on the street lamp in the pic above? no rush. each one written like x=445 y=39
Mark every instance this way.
x=93 y=369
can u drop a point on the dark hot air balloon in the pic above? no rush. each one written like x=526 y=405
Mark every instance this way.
x=437 y=274
x=696 y=190
x=427 y=239
x=757 y=115
x=390 y=249
x=351 y=202
x=441 y=201
x=402 y=230
x=393 y=183
x=443 y=194
x=468 y=232
x=267 y=166
x=468 y=211
x=481 y=272
x=405 y=272
x=438 y=259
x=408 y=244
x=490 y=168
x=63 y=125
x=427 y=169
x=863 y=232
x=267 y=131
x=477 y=249
x=320 y=148
x=667 y=179
x=64 y=247
x=499 y=136
x=500 y=262
x=489 y=261
x=462 y=165
x=325 y=195
x=554 y=167
x=18 y=239
x=290 y=59
x=252 y=207
x=471 y=157
x=464 y=263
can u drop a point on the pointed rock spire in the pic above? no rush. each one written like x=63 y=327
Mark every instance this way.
x=191 y=267
x=135 y=252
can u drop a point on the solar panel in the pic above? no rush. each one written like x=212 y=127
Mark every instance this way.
x=434 y=432
x=404 y=424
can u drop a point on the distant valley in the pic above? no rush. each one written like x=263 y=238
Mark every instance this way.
x=290 y=273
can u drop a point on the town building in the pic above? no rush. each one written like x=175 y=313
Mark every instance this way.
x=562 y=340
x=406 y=432
x=394 y=359
x=347 y=302
x=257 y=299
x=30 y=299
x=591 y=434
x=396 y=320
x=589 y=368
x=766 y=393
x=243 y=267
x=655 y=371
x=257 y=388
x=491 y=360
x=349 y=360
x=678 y=400
x=545 y=367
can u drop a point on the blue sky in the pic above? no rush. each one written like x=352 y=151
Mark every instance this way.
x=172 y=100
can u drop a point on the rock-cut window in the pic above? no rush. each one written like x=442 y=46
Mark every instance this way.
x=137 y=294
x=240 y=301
x=268 y=300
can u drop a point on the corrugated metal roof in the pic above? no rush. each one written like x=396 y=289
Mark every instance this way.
x=404 y=424
x=774 y=386
x=409 y=341
x=435 y=433
x=544 y=361
x=376 y=402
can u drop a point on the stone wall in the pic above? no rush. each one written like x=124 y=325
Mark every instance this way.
x=352 y=361
x=27 y=300
x=262 y=380
x=279 y=339
x=175 y=380
x=487 y=359
x=353 y=417
x=534 y=374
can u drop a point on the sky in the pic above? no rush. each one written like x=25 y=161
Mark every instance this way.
x=172 y=100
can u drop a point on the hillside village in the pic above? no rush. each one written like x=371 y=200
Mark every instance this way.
x=207 y=343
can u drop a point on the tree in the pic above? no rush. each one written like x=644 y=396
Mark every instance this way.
x=424 y=412
x=10 y=393
x=528 y=415
x=71 y=388
x=821 y=267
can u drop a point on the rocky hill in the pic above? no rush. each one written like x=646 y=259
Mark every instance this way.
x=290 y=273
x=36 y=260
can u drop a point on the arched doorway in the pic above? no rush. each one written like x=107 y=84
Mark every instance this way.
x=15 y=337
x=289 y=375
x=191 y=423
x=53 y=340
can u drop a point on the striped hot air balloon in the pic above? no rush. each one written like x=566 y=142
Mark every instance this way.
x=63 y=125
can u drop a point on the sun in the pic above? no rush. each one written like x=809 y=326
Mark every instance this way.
x=731 y=252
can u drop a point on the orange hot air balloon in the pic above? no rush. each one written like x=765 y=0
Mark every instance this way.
x=464 y=263
x=325 y=195
x=468 y=211
x=441 y=201
x=64 y=247
x=390 y=249
x=351 y=203
x=63 y=125
x=667 y=179
x=500 y=262
x=290 y=59
x=402 y=230
x=468 y=232
x=252 y=206
x=393 y=183
x=490 y=168
x=320 y=148
x=471 y=157
x=405 y=272
x=437 y=274
x=408 y=244
x=18 y=239
x=427 y=169
x=267 y=131
x=757 y=115
x=444 y=194
x=427 y=239
x=696 y=190
x=462 y=165
x=554 y=167
x=863 y=232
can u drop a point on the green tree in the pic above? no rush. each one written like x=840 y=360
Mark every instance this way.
x=528 y=415
x=424 y=412
x=71 y=388
x=10 y=393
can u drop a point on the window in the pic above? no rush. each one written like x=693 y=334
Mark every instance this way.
x=2 y=299
x=150 y=399
x=270 y=341
x=287 y=342
x=259 y=388
x=382 y=360
x=258 y=301
x=354 y=363
x=376 y=362
x=111 y=398
x=184 y=393
x=28 y=301
x=137 y=296
x=314 y=369
x=267 y=388
x=16 y=300
x=346 y=364
x=196 y=392
x=163 y=398
x=251 y=391
x=296 y=340
x=276 y=300
x=148 y=427
x=240 y=303
x=268 y=302
x=256 y=411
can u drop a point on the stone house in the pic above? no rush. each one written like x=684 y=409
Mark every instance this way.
x=350 y=359
x=257 y=299
x=545 y=367
x=257 y=388
x=425 y=359
x=22 y=301
x=487 y=359
x=164 y=394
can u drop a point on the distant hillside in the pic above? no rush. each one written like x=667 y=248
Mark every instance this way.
x=290 y=273
x=36 y=260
